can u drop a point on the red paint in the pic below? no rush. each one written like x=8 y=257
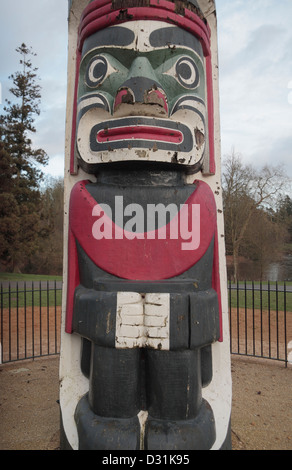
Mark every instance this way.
x=100 y=16
x=137 y=259
x=152 y=96
x=95 y=5
x=140 y=132
x=141 y=259
x=73 y=280
x=119 y=97
x=99 y=8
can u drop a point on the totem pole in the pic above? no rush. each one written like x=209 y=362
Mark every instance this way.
x=145 y=346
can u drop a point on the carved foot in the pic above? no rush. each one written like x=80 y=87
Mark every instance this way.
x=193 y=434
x=99 y=433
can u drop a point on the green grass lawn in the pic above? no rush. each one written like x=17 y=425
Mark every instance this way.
x=257 y=300
x=44 y=298
x=264 y=283
x=25 y=296
x=30 y=298
x=28 y=277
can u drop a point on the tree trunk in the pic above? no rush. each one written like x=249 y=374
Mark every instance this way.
x=235 y=263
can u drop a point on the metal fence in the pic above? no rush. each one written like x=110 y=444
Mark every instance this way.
x=260 y=316
x=30 y=321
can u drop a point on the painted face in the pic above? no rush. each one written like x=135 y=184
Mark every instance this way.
x=142 y=96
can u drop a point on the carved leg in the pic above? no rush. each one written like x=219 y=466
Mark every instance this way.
x=178 y=417
x=106 y=417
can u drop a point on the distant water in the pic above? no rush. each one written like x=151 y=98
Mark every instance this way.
x=277 y=271
x=281 y=271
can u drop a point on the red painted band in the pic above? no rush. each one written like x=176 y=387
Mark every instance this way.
x=140 y=132
x=92 y=6
x=94 y=14
x=105 y=17
x=99 y=7
x=99 y=12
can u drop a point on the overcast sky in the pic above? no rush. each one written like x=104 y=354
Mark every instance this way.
x=255 y=63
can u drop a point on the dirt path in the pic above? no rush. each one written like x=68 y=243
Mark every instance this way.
x=262 y=398
x=261 y=413
x=261 y=333
x=30 y=332
x=29 y=412
x=262 y=405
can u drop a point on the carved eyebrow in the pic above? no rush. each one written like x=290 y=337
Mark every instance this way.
x=113 y=36
x=175 y=36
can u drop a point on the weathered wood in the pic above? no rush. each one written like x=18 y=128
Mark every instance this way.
x=145 y=302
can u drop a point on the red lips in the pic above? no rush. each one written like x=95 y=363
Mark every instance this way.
x=142 y=132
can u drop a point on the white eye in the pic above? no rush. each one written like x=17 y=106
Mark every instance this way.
x=96 y=71
x=187 y=72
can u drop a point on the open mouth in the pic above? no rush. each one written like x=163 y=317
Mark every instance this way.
x=137 y=132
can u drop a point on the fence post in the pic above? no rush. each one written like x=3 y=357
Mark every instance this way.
x=2 y=323
x=285 y=330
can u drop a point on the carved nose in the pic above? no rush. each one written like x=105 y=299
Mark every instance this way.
x=124 y=95
x=156 y=96
x=141 y=86
x=139 y=93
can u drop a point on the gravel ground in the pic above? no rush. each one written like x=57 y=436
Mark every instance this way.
x=261 y=413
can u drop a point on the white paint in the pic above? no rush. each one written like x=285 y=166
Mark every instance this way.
x=94 y=116
x=219 y=392
x=142 y=31
x=73 y=385
x=142 y=321
x=142 y=416
x=90 y=100
x=73 y=382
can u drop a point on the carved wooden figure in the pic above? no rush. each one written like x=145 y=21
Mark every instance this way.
x=145 y=346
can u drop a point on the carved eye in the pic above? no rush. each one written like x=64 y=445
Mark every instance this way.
x=96 y=71
x=187 y=72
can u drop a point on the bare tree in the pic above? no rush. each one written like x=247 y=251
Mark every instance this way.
x=264 y=240
x=245 y=190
